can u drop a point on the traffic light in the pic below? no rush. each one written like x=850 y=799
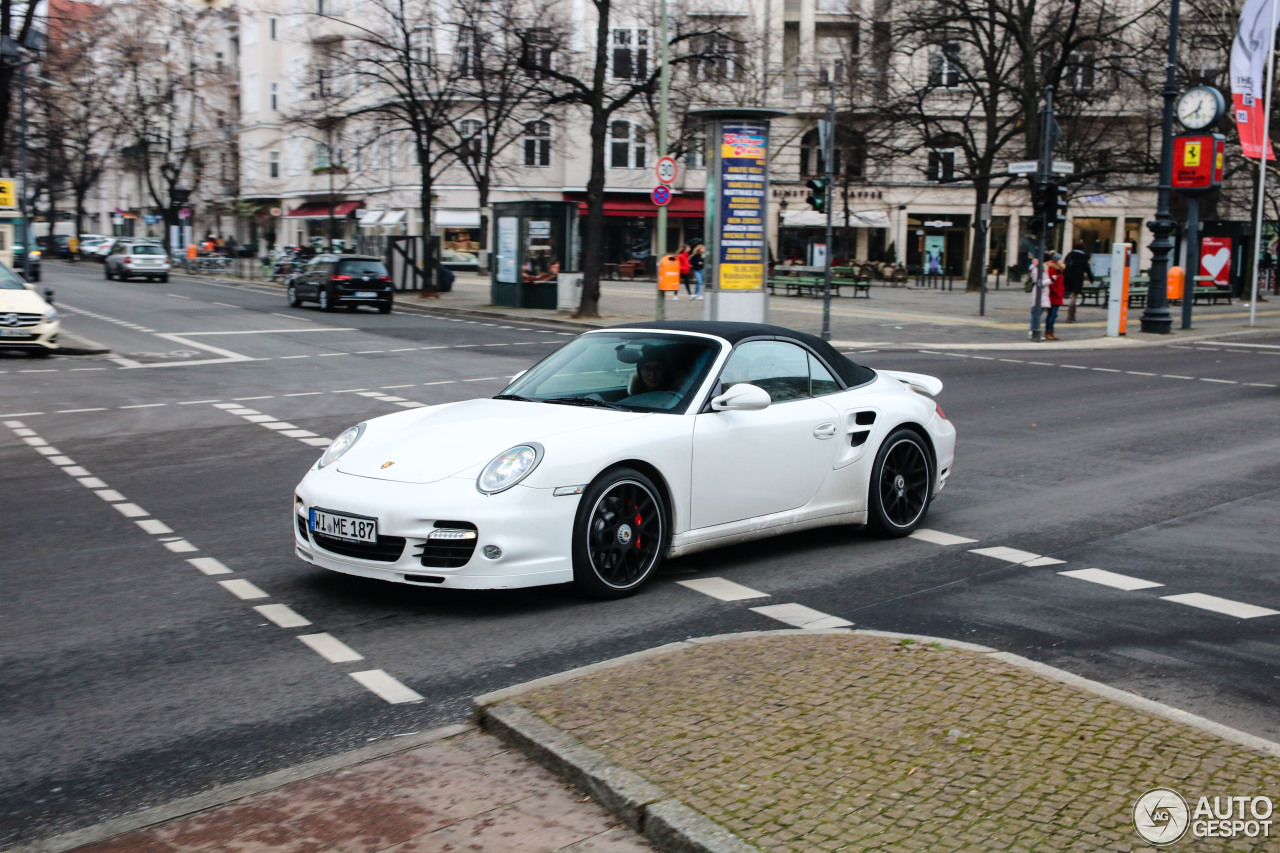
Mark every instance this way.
x=1042 y=197
x=1059 y=213
x=817 y=194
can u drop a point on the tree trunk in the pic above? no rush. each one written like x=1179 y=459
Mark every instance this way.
x=428 y=244
x=978 y=255
x=593 y=236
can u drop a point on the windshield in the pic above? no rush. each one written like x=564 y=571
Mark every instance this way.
x=355 y=269
x=147 y=250
x=635 y=371
x=10 y=281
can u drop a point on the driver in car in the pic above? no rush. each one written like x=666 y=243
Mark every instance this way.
x=653 y=374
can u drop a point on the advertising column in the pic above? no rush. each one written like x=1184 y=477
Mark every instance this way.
x=737 y=186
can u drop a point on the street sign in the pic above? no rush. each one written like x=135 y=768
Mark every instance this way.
x=1062 y=167
x=275 y=211
x=666 y=169
x=660 y=195
x=8 y=198
x=1023 y=167
x=185 y=213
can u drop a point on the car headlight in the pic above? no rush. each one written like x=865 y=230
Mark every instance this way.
x=509 y=467
x=341 y=445
x=51 y=315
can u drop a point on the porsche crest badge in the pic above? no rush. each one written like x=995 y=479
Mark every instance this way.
x=388 y=464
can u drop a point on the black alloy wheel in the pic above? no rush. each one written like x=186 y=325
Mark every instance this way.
x=325 y=303
x=294 y=301
x=620 y=535
x=384 y=307
x=901 y=481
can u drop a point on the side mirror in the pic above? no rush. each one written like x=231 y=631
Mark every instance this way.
x=742 y=398
x=48 y=295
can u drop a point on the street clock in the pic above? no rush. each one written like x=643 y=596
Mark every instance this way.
x=1200 y=107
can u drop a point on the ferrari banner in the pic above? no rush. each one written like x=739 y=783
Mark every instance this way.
x=1249 y=52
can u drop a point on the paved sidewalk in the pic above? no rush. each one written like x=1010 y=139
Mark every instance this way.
x=780 y=741
x=893 y=317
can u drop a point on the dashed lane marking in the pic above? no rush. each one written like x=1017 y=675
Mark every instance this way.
x=799 y=616
x=1009 y=555
x=387 y=687
x=937 y=537
x=724 y=590
x=1224 y=606
x=376 y=681
x=1111 y=579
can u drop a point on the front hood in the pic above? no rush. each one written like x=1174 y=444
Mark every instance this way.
x=430 y=444
x=22 y=302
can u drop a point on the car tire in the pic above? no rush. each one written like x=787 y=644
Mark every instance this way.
x=35 y=278
x=294 y=301
x=106 y=272
x=620 y=534
x=40 y=352
x=351 y=307
x=325 y=304
x=164 y=279
x=384 y=307
x=901 y=485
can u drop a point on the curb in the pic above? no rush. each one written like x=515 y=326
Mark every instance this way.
x=673 y=826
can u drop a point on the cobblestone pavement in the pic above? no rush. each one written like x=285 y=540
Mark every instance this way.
x=851 y=742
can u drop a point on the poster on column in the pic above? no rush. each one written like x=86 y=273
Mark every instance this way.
x=1215 y=258
x=744 y=148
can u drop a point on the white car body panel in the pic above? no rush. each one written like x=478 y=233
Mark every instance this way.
x=730 y=476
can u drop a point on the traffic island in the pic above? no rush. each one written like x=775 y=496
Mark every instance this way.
x=808 y=741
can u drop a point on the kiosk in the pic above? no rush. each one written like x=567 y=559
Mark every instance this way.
x=535 y=242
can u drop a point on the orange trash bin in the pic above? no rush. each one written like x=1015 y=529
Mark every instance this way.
x=1177 y=281
x=669 y=273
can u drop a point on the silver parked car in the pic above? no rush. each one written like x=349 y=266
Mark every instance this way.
x=141 y=258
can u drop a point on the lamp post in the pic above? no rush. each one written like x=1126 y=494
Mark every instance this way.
x=782 y=212
x=1156 y=318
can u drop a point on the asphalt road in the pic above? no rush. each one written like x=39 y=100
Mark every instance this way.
x=131 y=676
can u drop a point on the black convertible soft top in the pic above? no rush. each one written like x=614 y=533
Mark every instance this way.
x=852 y=373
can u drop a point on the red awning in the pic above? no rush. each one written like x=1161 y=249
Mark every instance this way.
x=321 y=210
x=616 y=204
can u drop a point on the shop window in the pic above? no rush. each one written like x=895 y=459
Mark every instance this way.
x=627 y=147
x=942 y=159
x=537 y=143
x=850 y=156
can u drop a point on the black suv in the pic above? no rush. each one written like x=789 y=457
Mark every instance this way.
x=347 y=280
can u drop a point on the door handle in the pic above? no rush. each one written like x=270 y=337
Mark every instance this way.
x=826 y=430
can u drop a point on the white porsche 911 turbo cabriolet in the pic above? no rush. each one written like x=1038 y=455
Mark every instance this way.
x=628 y=445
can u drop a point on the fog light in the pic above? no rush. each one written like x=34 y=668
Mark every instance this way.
x=491 y=552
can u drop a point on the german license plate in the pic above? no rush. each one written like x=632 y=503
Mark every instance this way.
x=13 y=333
x=353 y=528
x=365 y=294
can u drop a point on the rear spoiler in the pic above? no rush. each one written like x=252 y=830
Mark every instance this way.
x=928 y=385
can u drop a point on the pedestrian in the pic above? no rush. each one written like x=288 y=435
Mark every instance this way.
x=1055 y=288
x=1075 y=269
x=698 y=263
x=686 y=268
x=73 y=248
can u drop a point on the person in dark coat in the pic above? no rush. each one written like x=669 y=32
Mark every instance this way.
x=1075 y=268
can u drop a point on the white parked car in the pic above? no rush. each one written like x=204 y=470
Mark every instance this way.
x=627 y=446
x=28 y=321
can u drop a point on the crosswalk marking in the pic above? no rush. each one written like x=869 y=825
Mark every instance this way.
x=1221 y=605
x=937 y=537
x=1009 y=555
x=799 y=616
x=725 y=590
x=1111 y=579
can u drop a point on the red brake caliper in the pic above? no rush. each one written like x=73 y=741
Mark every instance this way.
x=639 y=521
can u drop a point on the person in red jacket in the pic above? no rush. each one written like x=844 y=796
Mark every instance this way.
x=1057 y=293
x=686 y=269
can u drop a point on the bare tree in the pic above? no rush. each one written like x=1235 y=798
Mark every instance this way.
x=18 y=39
x=620 y=69
x=977 y=103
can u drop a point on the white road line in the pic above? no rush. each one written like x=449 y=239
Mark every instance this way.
x=1009 y=555
x=259 y=419
x=799 y=616
x=386 y=687
x=1074 y=366
x=331 y=648
x=242 y=589
x=282 y=615
x=154 y=526
x=209 y=566
x=937 y=537
x=24 y=431
x=181 y=546
x=89 y=482
x=195 y=402
x=227 y=406
x=129 y=510
x=144 y=406
x=80 y=471
x=1234 y=344
x=1044 y=561
x=48 y=450
x=298 y=433
x=1111 y=579
x=317 y=442
x=61 y=460
x=247 y=399
x=725 y=590
x=14 y=424
x=287 y=357
x=109 y=495
x=1262 y=385
x=77 y=411
x=1223 y=381
x=1107 y=369
x=304 y=394
x=1174 y=376
x=1138 y=373
x=35 y=441
x=1224 y=606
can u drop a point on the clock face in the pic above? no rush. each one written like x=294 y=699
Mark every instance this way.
x=1199 y=107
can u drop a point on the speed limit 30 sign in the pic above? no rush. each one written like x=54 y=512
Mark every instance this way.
x=666 y=169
